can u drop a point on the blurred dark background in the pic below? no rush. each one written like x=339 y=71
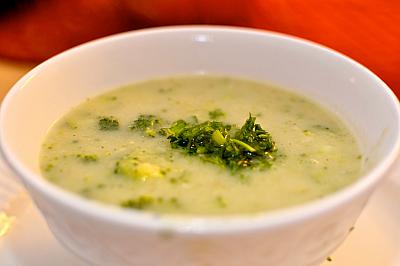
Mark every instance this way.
x=366 y=30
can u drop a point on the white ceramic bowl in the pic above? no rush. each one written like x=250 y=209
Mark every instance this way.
x=104 y=235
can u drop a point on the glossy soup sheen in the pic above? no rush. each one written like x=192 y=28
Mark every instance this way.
x=318 y=155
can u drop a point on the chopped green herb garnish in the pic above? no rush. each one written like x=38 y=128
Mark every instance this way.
x=225 y=145
x=108 y=123
x=149 y=124
x=193 y=119
x=216 y=114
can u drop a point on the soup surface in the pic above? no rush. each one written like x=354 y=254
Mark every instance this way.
x=93 y=150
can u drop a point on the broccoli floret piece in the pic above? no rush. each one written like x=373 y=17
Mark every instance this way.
x=149 y=124
x=131 y=167
x=108 y=123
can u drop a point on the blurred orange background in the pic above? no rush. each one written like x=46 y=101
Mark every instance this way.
x=365 y=30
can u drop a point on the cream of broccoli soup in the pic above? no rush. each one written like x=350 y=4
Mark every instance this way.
x=200 y=145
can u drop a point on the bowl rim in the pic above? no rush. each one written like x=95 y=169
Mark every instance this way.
x=197 y=224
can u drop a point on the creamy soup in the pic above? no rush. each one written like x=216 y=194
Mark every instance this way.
x=99 y=150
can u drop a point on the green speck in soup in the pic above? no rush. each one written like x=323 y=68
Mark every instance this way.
x=244 y=147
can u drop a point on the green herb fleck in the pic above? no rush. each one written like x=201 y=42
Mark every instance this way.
x=71 y=124
x=149 y=124
x=165 y=90
x=139 y=203
x=85 y=192
x=175 y=202
x=108 y=123
x=160 y=200
x=321 y=127
x=87 y=157
x=216 y=114
x=221 y=202
x=179 y=179
x=100 y=185
x=49 y=167
x=329 y=259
